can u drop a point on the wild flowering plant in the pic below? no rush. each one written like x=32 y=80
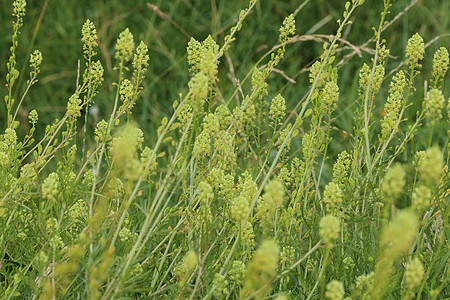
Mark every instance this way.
x=229 y=200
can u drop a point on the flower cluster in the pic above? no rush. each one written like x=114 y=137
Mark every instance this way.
x=244 y=116
x=101 y=132
x=415 y=50
x=259 y=85
x=413 y=273
x=220 y=284
x=203 y=59
x=95 y=76
x=123 y=152
x=399 y=234
x=124 y=46
x=204 y=192
x=277 y=110
x=287 y=255
x=335 y=290
x=237 y=272
x=126 y=92
x=224 y=144
x=89 y=39
x=239 y=208
x=392 y=107
x=261 y=270
x=33 y=117
x=349 y=264
x=248 y=234
x=288 y=29
x=148 y=161
x=421 y=197
x=208 y=60
x=77 y=215
x=431 y=166
x=125 y=234
x=333 y=196
x=35 y=63
x=341 y=169
x=19 y=9
x=50 y=186
x=393 y=183
x=364 y=79
x=202 y=146
x=440 y=65
x=186 y=266
x=330 y=95
x=434 y=105
x=199 y=86
x=140 y=64
x=74 y=106
x=312 y=143
x=194 y=52
x=221 y=182
x=247 y=186
x=329 y=228
x=365 y=281
x=271 y=201
x=52 y=229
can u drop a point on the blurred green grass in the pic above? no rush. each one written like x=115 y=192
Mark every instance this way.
x=58 y=37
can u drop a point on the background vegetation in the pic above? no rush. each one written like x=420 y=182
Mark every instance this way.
x=54 y=28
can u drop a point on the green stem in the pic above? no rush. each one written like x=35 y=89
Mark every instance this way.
x=258 y=140
x=311 y=251
x=322 y=271
x=430 y=136
x=268 y=153
x=324 y=154
x=368 y=93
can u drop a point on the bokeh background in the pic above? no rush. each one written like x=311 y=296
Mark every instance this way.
x=54 y=27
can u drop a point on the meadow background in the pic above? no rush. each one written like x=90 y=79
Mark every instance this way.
x=54 y=28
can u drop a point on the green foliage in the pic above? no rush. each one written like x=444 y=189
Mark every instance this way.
x=240 y=193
